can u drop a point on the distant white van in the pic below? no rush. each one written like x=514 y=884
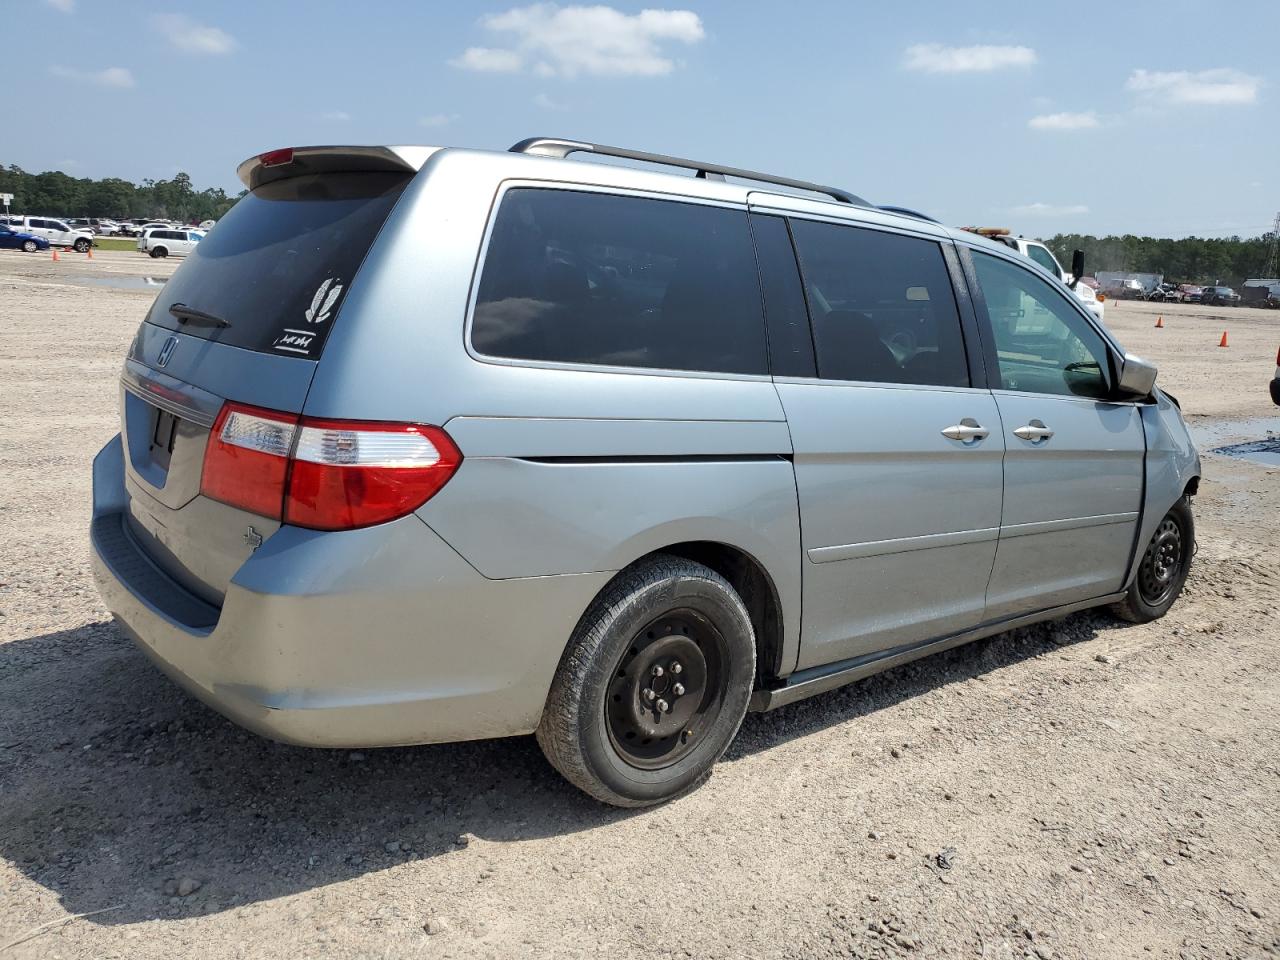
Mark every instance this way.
x=169 y=243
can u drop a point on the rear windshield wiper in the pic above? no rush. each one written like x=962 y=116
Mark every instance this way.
x=187 y=314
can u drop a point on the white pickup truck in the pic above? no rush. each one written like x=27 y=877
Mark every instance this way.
x=1042 y=255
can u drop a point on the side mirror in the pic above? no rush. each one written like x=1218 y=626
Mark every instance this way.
x=1137 y=376
x=1077 y=267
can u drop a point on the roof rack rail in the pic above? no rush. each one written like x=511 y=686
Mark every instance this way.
x=908 y=212
x=552 y=147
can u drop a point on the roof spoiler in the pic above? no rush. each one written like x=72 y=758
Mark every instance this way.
x=296 y=161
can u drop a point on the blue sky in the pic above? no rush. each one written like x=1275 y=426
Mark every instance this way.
x=1144 y=117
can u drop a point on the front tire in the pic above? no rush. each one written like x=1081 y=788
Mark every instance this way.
x=82 y=245
x=1163 y=569
x=653 y=685
x=30 y=246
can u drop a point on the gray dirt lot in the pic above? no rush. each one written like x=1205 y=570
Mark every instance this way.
x=1080 y=789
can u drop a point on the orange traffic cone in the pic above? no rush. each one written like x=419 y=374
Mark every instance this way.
x=1223 y=341
x=89 y=251
x=1159 y=323
x=55 y=255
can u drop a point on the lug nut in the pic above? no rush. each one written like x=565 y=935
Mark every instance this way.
x=675 y=666
x=678 y=689
x=664 y=706
x=657 y=670
x=649 y=694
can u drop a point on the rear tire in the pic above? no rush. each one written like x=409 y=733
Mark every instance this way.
x=653 y=685
x=159 y=253
x=1163 y=568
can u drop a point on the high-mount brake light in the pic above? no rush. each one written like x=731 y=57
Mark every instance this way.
x=276 y=158
x=324 y=474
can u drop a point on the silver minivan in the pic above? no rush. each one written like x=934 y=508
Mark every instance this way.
x=427 y=444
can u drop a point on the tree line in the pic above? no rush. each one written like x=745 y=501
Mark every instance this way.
x=1203 y=260
x=1192 y=259
x=56 y=194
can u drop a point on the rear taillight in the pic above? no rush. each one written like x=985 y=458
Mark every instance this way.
x=246 y=462
x=347 y=474
x=324 y=474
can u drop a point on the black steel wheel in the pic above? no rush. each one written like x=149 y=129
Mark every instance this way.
x=1163 y=569
x=1158 y=573
x=653 y=685
x=667 y=688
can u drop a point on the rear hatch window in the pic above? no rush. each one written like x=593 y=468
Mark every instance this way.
x=279 y=263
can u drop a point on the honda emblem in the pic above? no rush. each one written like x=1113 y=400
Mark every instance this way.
x=167 y=351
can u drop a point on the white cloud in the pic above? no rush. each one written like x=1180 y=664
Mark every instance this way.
x=1049 y=210
x=437 y=120
x=488 y=60
x=336 y=116
x=568 y=41
x=117 y=77
x=1220 y=86
x=546 y=103
x=192 y=37
x=64 y=6
x=1064 y=121
x=935 y=58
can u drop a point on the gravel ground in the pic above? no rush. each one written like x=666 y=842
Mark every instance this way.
x=1078 y=789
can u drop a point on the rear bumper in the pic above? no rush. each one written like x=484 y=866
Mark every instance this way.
x=372 y=637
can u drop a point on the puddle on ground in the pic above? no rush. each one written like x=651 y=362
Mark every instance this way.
x=1257 y=440
x=118 y=283
x=1265 y=452
x=1209 y=433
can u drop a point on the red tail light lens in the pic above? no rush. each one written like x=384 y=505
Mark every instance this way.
x=324 y=474
x=349 y=474
x=276 y=158
x=246 y=462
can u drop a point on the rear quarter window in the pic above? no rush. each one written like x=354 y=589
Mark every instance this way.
x=598 y=278
x=279 y=264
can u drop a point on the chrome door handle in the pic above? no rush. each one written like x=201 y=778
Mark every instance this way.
x=1035 y=432
x=966 y=431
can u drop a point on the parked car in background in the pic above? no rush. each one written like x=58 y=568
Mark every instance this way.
x=11 y=239
x=59 y=233
x=1191 y=293
x=167 y=242
x=207 y=224
x=356 y=503
x=1220 y=297
x=1124 y=289
x=1165 y=293
x=100 y=226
